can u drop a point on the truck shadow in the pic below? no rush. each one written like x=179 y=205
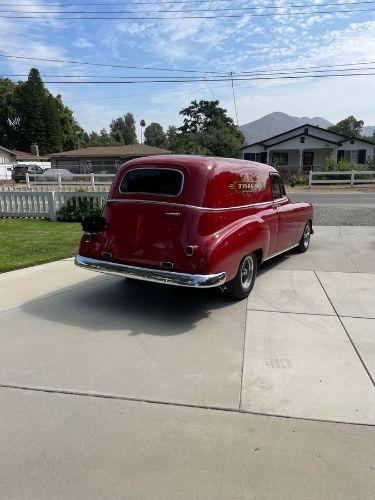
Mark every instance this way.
x=132 y=307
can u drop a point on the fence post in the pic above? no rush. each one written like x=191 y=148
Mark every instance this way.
x=93 y=181
x=28 y=181
x=310 y=178
x=52 y=206
x=59 y=180
x=352 y=178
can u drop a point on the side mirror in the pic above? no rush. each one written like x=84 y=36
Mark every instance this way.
x=94 y=224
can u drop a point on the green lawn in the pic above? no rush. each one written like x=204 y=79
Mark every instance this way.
x=25 y=243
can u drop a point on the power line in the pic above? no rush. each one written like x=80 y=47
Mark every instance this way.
x=216 y=16
x=312 y=67
x=85 y=63
x=292 y=77
x=277 y=7
x=151 y=68
x=108 y=4
x=228 y=77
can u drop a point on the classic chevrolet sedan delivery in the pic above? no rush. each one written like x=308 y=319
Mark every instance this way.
x=194 y=221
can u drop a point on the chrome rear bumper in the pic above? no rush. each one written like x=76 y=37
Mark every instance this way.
x=154 y=275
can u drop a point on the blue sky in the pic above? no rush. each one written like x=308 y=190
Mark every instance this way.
x=237 y=44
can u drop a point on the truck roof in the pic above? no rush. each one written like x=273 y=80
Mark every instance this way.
x=212 y=182
x=201 y=162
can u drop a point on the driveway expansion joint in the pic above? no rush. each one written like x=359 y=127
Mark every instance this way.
x=66 y=392
x=347 y=333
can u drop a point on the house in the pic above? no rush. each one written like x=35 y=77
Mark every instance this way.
x=7 y=156
x=104 y=159
x=306 y=147
x=11 y=156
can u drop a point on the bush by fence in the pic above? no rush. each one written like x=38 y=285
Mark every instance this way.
x=48 y=204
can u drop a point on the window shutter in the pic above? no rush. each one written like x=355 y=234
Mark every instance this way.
x=263 y=157
x=362 y=156
x=340 y=154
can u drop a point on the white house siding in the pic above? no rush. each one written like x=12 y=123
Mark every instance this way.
x=6 y=157
x=346 y=146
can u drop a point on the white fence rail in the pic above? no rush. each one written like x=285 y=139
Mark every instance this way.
x=43 y=204
x=61 y=180
x=351 y=177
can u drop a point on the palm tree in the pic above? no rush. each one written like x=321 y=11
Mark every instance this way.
x=142 y=124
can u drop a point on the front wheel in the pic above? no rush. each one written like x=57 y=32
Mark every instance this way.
x=304 y=242
x=240 y=287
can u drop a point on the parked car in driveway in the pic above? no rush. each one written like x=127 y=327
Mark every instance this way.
x=19 y=172
x=195 y=222
x=52 y=174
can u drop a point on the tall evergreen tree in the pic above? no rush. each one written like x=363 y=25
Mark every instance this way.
x=9 y=119
x=29 y=114
x=34 y=107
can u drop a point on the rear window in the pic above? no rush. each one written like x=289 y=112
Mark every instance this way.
x=157 y=181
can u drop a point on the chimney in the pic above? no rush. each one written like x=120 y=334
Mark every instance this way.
x=34 y=149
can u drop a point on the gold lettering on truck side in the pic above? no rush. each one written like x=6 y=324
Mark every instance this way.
x=248 y=184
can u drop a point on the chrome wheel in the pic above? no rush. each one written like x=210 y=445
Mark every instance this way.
x=247 y=272
x=306 y=236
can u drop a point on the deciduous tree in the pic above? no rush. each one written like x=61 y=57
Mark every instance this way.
x=154 y=135
x=350 y=127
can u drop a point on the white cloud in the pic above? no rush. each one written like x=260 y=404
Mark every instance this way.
x=83 y=43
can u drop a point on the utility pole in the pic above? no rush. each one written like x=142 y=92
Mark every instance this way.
x=234 y=98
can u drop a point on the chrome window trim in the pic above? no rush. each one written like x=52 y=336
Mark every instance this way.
x=275 y=200
x=279 y=200
x=153 y=194
x=183 y=205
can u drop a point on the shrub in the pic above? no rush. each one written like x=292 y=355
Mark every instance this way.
x=75 y=209
x=330 y=165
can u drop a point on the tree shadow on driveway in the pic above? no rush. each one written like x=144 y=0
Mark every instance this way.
x=133 y=307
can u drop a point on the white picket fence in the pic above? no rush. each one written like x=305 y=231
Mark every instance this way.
x=59 y=180
x=351 y=177
x=44 y=204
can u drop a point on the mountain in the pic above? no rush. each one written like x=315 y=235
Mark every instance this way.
x=276 y=123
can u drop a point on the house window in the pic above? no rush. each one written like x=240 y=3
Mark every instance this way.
x=302 y=140
x=351 y=155
x=306 y=131
x=279 y=159
x=352 y=141
x=258 y=157
x=2 y=159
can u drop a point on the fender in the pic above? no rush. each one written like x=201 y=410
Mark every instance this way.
x=227 y=247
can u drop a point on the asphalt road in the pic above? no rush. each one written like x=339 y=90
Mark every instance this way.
x=340 y=208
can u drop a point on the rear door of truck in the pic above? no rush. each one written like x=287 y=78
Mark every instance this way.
x=145 y=217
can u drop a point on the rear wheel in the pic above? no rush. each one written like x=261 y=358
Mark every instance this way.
x=240 y=287
x=304 y=242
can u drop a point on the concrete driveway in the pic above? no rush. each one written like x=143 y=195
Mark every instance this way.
x=119 y=389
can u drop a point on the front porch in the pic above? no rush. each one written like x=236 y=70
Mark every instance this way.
x=303 y=159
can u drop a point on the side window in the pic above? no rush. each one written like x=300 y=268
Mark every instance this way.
x=278 y=190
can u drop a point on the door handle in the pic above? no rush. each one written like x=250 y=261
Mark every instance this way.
x=173 y=214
